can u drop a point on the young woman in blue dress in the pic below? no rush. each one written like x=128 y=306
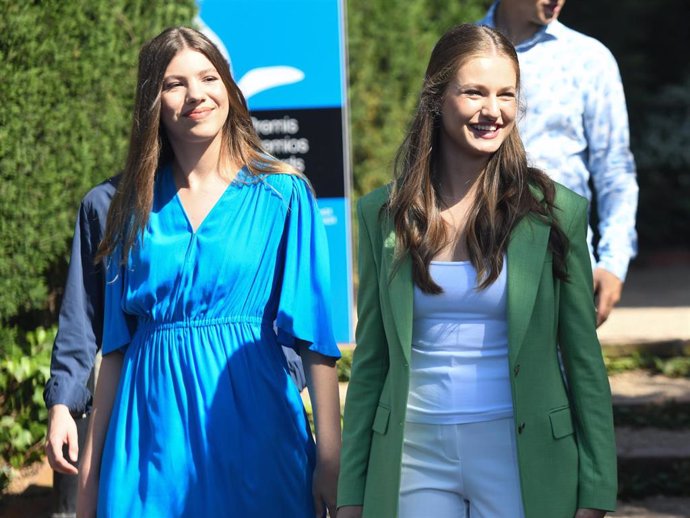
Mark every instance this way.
x=474 y=272
x=216 y=256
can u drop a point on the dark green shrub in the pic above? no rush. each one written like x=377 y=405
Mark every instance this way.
x=68 y=72
x=345 y=365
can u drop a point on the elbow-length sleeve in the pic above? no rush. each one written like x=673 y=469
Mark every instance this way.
x=118 y=326
x=304 y=307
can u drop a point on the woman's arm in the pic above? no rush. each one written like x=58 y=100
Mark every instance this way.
x=369 y=369
x=590 y=395
x=322 y=383
x=90 y=467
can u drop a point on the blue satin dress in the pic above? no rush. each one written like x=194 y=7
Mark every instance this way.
x=206 y=419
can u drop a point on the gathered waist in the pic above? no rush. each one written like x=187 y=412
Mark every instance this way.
x=149 y=325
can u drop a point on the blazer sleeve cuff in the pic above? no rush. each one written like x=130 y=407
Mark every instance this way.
x=601 y=497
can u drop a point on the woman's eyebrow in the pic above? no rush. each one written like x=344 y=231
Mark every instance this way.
x=200 y=73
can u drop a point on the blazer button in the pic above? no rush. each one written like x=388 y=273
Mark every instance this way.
x=516 y=370
x=521 y=427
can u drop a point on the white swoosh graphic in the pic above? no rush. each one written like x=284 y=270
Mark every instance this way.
x=264 y=78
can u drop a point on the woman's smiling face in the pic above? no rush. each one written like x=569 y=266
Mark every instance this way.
x=480 y=106
x=194 y=100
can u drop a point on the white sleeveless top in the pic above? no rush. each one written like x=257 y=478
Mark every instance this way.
x=459 y=369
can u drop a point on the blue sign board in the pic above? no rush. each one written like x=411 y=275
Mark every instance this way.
x=288 y=58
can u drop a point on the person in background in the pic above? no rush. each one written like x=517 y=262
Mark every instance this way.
x=474 y=272
x=80 y=330
x=576 y=128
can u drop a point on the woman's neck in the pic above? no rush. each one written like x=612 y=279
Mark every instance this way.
x=457 y=175
x=196 y=163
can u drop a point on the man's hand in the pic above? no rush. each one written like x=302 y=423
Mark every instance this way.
x=607 y=293
x=61 y=430
x=590 y=513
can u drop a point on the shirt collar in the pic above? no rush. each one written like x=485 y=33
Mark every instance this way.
x=550 y=31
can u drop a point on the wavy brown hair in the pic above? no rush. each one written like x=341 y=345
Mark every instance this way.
x=149 y=148
x=507 y=189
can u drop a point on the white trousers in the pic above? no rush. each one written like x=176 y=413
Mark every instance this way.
x=460 y=471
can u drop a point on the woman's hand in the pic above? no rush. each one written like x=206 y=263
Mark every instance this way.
x=589 y=513
x=350 y=511
x=324 y=487
x=322 y=382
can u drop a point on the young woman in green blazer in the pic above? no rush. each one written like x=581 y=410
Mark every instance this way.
x=514 y=418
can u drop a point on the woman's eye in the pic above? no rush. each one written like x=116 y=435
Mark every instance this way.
x=473 y=93
x=170 y=86
x=210 y=78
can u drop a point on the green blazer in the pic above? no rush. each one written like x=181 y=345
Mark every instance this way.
x=564 y=430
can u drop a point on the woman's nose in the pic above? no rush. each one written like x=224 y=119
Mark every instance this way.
x=491 y=107
x=194 y=92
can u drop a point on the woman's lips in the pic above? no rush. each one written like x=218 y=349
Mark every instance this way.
x=486 y=131
x=197 y=113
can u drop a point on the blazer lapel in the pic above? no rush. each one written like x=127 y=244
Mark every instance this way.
x=526 y=251
x=400 y=293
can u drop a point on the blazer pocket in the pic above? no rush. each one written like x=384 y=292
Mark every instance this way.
x=381 y=419
x=561 y=422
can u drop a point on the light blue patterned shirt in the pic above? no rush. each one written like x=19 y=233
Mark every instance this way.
x=576 y=127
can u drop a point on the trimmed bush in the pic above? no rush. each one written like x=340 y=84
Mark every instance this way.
x=68 y=74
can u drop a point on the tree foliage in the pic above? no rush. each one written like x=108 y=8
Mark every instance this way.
x=24 y=371
x=68 y=73
x=389 y=44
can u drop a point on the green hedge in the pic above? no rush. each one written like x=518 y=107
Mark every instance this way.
x=68 y=72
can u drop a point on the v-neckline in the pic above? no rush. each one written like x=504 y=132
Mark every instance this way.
x=176 y=192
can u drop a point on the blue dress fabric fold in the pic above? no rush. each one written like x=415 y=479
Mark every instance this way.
x=206 y=419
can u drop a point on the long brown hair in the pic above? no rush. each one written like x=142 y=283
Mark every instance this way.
x=504 y=193
x=149 y=147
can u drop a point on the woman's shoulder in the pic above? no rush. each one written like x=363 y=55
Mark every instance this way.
x=568 y=206
x=285 y=184
x=373 y=202
x=564 y=199
x=568 y=200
